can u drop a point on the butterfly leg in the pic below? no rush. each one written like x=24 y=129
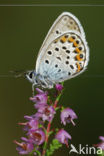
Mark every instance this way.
x=33 y=89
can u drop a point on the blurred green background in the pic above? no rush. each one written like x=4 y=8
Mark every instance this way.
x=22 y=31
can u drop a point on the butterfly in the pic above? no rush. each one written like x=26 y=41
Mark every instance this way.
x=63 y=55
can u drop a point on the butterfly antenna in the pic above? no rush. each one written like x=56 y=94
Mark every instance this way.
x=18 y=73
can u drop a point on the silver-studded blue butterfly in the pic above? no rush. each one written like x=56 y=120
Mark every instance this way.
x=64 y=53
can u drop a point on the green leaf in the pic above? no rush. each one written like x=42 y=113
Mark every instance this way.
x=34 y=150
x=53 y=146
x=57 y=129
x=50 y=133
x=62 y=108
x=39 y=153
x=40 y=126
x=62 y=83
x=57 y=108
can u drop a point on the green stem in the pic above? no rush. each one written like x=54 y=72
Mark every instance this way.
x=46 y=140
x=49 y=126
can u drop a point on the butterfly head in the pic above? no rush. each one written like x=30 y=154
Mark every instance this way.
x=31 y=76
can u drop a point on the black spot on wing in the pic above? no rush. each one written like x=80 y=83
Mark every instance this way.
x=71 y=66
x=46 y=61
x=67 y=62
x=56 y=65
x=59 y=58
x=59 y=70
x=57 y=49
x=68 y=51
x=63 y=47
x=69 y=73
x=49 y=52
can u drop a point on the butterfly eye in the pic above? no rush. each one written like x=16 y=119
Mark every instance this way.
x=30 y=75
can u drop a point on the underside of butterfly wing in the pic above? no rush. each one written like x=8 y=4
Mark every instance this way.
x=64 y=23
x=65 y=57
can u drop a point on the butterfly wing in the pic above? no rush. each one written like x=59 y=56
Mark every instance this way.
x=65 y=57
x=65 y=22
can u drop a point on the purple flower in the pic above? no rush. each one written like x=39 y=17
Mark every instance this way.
x=59 y=87
x=32 y=117
x=40 y=98
x=67 y=116
x=28 y=117
x=24 y=147
x=37 y=136
x=62 y=136
x=101 y=144
x=46 y=113
x=39 y=105
x=32 y=124
x=101 y=138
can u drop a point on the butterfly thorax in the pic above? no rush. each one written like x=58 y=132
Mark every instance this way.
x=43 y=81
x=39 y=80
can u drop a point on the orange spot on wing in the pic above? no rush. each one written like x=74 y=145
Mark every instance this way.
x=78 y=67
x=63 y=39
x=77 y=50
x=70 y=39
x=78 y=57
x=75 y=44
x=55 y=41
